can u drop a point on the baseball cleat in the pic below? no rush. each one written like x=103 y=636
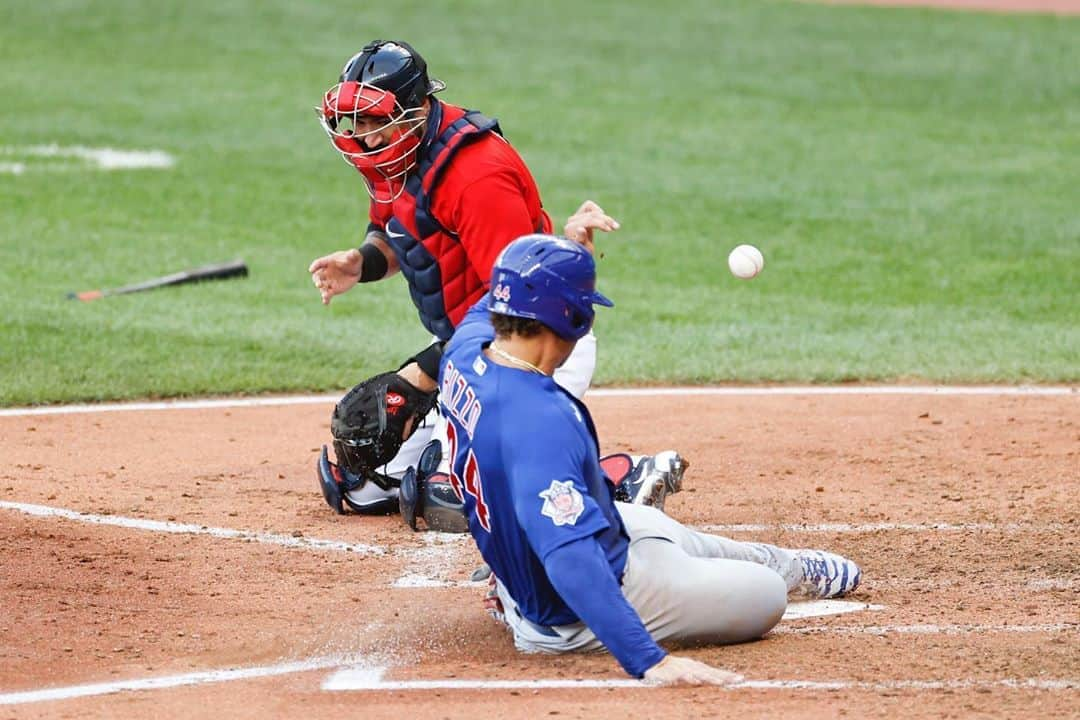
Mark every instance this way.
x=826 y=575
x=656 y=477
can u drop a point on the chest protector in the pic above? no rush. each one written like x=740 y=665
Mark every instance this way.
x=442 y=283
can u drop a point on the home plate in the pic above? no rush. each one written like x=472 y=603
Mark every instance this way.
x=821 y=608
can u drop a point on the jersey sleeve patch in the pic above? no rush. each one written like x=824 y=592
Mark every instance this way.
x=562 y=503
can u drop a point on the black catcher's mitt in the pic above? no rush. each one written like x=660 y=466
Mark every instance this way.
x=372 y=421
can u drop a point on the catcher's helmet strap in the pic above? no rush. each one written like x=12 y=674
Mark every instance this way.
x=358 y=60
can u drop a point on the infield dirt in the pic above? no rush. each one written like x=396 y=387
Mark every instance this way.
x=990 y=598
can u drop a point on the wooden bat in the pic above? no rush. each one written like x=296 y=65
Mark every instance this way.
x=218 y=271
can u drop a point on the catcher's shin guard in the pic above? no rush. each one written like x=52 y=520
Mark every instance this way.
x=329 y=477
x=336 y=483
x=429 y=495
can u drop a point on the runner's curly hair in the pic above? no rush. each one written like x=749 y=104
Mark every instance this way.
x=507 y=325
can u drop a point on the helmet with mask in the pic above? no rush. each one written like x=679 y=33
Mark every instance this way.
x=375 y=114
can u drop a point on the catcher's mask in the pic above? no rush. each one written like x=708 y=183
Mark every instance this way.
x=429 y=494
x=380 y=97
x=373 y=420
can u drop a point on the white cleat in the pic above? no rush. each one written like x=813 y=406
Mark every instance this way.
x=654 y=478
x=827 y=575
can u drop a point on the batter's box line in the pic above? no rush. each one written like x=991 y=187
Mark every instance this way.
x=927 y=629
x=434 y=550
x=163 y=526
x=171 y=681
x=371 y=679
x=435 y=542
x=359 y=678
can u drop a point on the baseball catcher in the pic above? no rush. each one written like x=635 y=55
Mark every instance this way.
x=376 y=418
x=369 y=426
x=447 y=193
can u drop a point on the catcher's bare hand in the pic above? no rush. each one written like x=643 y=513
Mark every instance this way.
x=678 y=670
x=337 y=272
x=589 y=217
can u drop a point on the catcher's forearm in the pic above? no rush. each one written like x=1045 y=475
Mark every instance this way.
x=417 y=377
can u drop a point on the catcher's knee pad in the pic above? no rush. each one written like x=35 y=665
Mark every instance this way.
x=645 y=479
x=372 y=421
x=617 y=467
x=430 y=495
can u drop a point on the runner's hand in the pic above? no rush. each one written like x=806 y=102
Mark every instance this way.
x=678 y=670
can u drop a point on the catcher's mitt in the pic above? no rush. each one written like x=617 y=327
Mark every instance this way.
x=372 y=421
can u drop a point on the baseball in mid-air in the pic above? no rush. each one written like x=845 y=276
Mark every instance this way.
x=745 y=261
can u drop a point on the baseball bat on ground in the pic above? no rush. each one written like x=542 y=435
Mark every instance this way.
x=218 y=271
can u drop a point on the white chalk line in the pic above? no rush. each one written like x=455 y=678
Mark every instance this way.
x=436 y=552
x=371 y=679
x=1052 y=584
x=433 y=552
x=367 y=678
x=805 y=609
x=224 y=403
x=927 y=629
x=430 y=554
x=171 y=681
x=890 y=527
x=435 y=541
x=98 y=158
x=992 y=390
x=433 y=556
x=242 y=402
x=192 y=529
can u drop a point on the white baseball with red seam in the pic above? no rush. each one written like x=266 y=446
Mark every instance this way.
x=745 y=261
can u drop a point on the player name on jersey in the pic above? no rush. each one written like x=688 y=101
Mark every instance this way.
x=460 y=399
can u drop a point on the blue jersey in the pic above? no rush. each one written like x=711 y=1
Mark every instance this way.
x=526 y=461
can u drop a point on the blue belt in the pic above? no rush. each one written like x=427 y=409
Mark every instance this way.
x=542 y=629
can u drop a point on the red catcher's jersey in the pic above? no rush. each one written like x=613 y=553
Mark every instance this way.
x=484 y=198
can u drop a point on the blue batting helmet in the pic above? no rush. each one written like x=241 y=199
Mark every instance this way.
x=549 y=279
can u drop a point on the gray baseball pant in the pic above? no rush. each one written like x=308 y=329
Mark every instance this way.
x=686 y=586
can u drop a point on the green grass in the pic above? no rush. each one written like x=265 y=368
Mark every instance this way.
x=912 y=177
